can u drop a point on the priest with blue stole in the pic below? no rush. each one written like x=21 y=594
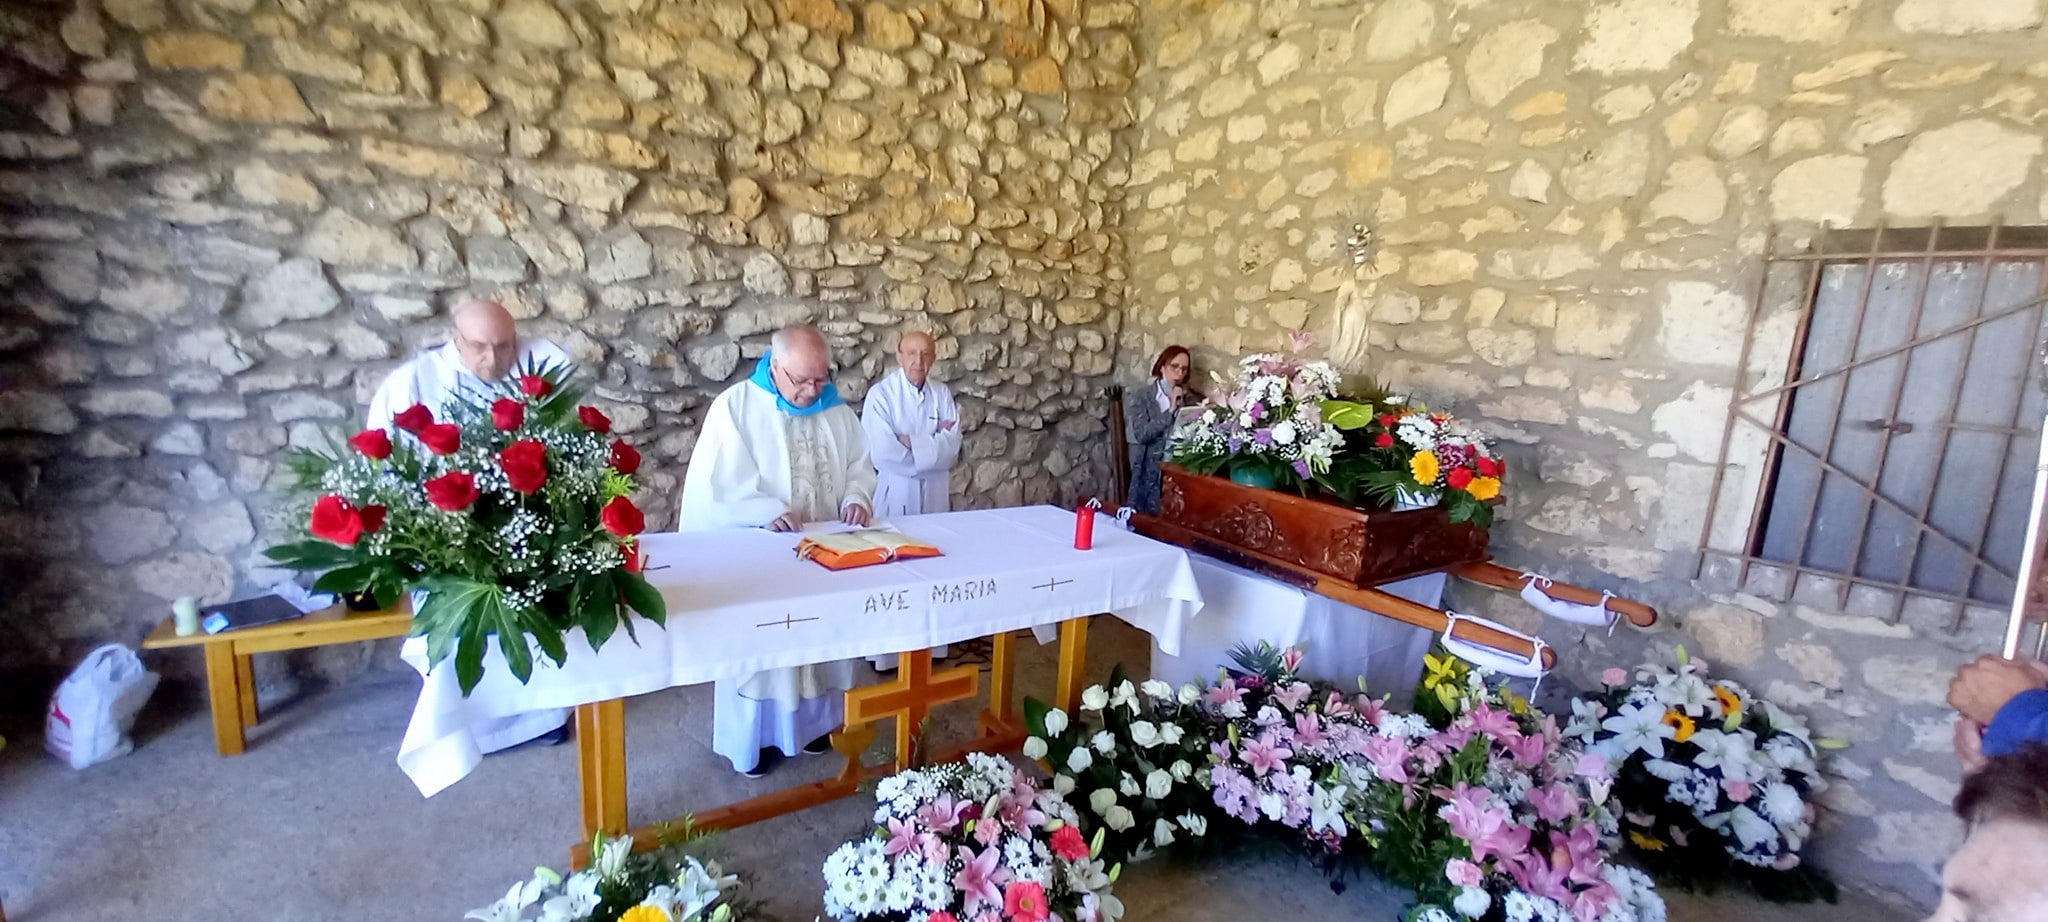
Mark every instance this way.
x=778 y=450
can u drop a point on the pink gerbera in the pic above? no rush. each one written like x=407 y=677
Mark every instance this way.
x=1024 y=901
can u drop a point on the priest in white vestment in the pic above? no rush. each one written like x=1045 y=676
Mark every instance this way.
x=913 y=432
x=776 y=451
x=484 y=348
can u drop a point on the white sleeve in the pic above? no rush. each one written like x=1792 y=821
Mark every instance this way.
x=396 y=395
x=935 y=448
x=860 y=466
x=878 y=429
x=722 y=487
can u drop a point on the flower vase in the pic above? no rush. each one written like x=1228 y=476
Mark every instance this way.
x=1255 y=478
x=1410 y=500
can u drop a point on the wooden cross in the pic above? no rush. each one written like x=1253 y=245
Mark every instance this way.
x=909 y=698
x=1053 y=585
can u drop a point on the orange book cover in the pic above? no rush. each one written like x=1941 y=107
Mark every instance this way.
x=864 y=548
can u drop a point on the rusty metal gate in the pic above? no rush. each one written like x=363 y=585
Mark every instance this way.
x=1885 y=420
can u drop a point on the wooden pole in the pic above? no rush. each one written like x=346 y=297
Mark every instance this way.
x=1492 y=574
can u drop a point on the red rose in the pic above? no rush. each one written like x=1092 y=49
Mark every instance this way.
x=634 y=562
x=622 y=518
x=598 y=422
x=525 y=464
x=1389 y=420
x=1459 y=478
x=373 y=518
x=508 y=414
x=335 y=520
x=1385 y=440
x=452 y=492
x=373 y=443
x=625 y=458
x=534 y=386
x=415 y=418
x=441 y=438
x=1489 y=467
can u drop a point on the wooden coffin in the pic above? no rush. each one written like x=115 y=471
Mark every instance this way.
x=1359 y=546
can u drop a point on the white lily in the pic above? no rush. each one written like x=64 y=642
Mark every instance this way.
x=1636 y=728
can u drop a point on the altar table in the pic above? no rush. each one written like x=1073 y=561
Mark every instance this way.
x=741 y=602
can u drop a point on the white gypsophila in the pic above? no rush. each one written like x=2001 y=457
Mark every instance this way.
x=1034 y=748
x=1055 y=722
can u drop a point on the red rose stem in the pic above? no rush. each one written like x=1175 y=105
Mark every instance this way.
x=1084 y=528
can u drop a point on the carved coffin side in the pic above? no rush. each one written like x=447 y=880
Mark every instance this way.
x=1357 y=546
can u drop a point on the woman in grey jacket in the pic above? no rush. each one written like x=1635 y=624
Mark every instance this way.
x=1149 y=415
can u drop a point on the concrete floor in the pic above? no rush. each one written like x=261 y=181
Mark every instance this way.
x=317 y=823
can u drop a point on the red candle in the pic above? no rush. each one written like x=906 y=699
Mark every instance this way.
x=1084 y=528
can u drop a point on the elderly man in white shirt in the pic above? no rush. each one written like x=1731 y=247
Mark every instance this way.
x=485 y=348
x=776 y=451
x=913 y=432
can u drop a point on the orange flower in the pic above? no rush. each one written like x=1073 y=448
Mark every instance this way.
x=1646 y=843
x=1682 y=725
x=645 y=913
x=1731 y=706
x=1484 y=488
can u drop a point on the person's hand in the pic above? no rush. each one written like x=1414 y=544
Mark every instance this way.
x=900 y=437
x=1969 y=745
x=1179 y=393
x=1987 y=683
x=948 y=424
x=785 y=522
x=855 y=514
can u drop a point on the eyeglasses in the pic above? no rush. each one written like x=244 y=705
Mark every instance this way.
x=801 y=384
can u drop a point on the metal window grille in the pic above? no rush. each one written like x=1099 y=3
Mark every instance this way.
x=1885 y=420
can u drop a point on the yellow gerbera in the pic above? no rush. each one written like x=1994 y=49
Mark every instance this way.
x=645 y=913
x=1646 y=843
x=1483 y=488
x=1425 y=467
x=1731 y=705
x=1682 y=725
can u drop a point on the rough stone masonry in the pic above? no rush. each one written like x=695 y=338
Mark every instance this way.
x=1572 y=201
x=225 y=219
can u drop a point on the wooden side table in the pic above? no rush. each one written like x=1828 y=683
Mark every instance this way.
x=230 y=674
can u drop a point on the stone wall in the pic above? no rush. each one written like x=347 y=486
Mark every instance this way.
x=225 y=220
x=1572 y=201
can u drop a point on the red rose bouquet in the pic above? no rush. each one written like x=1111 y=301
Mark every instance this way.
x=510 y=512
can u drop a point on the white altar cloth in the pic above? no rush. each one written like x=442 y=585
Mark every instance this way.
x=1340 y=642
x=740 y=602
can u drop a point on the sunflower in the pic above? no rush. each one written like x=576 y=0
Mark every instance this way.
x=1731 y=704
x=1681 y=725
x=1646 y=843
x=1425 y=467
x=645 y=912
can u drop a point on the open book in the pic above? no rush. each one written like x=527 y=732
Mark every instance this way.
x=863 y=548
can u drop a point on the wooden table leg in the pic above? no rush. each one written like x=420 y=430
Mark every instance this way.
x=224 y=699
x=245 y=687
x=1073 y=663
x=601 y=766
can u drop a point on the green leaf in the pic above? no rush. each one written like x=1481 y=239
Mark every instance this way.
x=1034 y=716
x=512 y=643
x=595 y=609
x=641 y=596
x=1348 y=415
x=352 y=578
x=312 y=554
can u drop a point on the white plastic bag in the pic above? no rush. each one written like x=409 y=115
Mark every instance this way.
x=91 y=712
